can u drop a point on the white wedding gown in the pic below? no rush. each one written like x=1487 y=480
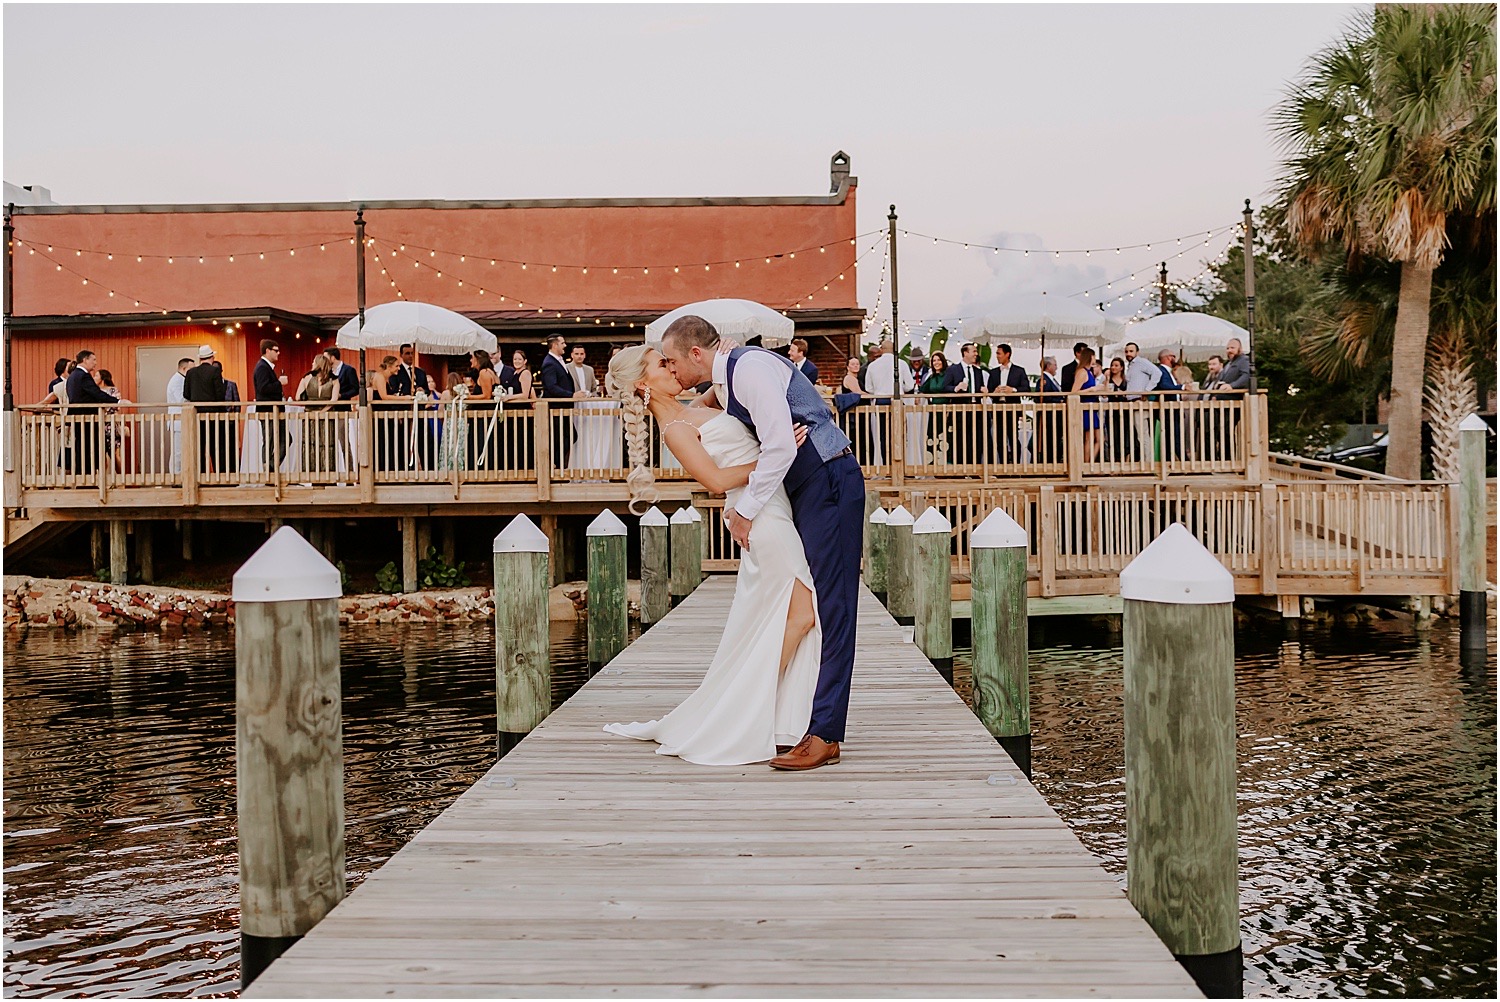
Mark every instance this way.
x=742 y=709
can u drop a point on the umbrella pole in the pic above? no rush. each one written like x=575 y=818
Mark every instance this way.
x=1163 y=287
x=1250 y=296
x=895 y=307
x=359 y=285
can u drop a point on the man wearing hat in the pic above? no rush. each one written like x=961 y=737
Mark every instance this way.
x=217 y=439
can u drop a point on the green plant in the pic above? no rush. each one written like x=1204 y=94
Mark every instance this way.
x=388 y=579
x=435 y=572
x=343 y=577
x=102 y=574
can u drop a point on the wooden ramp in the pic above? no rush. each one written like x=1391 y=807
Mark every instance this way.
x=584 y=864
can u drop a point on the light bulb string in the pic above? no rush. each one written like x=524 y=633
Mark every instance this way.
x=140 y=256
x=531 y=263
x=110 y=291
x=1028 y=251
x=839 y=275
x=1152 y=267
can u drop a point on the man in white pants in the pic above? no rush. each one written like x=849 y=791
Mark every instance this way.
x=1141 y=376
x=175 y=396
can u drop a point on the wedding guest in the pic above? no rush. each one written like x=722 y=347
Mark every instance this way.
x=1236 y=374
x=525 y=380
x=1065 y=380
x=851 y=382
x=936 y=374
x=81 y=388
x=1006 y=382
x=324 y=433
x=797 y=353
x=484 y=402
x=583 y=373
x=115 y=430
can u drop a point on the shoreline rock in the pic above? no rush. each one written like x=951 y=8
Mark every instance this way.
x=53 y=603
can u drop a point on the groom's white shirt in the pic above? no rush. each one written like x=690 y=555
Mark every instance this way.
x=761 y=390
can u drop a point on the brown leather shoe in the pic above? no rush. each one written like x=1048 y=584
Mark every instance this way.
x=811 y=752
x=783 y=749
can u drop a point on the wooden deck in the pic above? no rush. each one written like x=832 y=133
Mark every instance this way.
x=585 y=865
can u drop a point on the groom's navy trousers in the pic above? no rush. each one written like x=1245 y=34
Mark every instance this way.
x=829 y=509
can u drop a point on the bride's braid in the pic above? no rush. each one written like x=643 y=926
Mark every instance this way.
x=626 y=370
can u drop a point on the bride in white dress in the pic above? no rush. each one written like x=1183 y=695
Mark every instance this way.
x=758 y=691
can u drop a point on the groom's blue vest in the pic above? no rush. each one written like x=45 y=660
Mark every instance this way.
x=824 y=439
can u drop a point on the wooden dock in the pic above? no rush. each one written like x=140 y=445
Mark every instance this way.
x=584 y=864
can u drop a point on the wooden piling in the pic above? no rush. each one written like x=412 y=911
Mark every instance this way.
x=932 y=589
x=878 y=555
x=98 y=547
x=686 y=557
x=1180 y=817
x=702 y=536
x=899 y=597
x=1472 y=440
x=523 y=655
x=1002 y=692
x=289 y=766
x=144 y=557
x=119 y=553
x=656 y=567
x=608 y=616
x=409 y=582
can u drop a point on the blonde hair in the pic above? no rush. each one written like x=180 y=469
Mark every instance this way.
x=626 y=370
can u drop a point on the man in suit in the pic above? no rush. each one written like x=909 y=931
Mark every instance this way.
x=269 y=391
x=408 y=380
x=82 y=389
x=583 y=373
x=1236 y=375
x=1070 y=370
x=204 y=386
x=797 y=352
x=1006 y=383
x=558 y=384
x=347 y=378
x=963 y=427
x=1049 y=446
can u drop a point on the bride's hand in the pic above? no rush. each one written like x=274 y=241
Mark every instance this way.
x=726 y=345
x=799 y=434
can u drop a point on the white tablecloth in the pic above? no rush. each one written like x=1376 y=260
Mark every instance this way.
x=598 y=435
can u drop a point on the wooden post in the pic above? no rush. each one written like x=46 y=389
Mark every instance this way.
x=872 y=501
x=877 y=559
x=701 y=534
x=119 y=555
x=608 y=618
x=424 y=538
x=1002 y=689
x=932 y=589
x=144 y=558
x=1180 y=818
x=1472 y=434
x=445 y=537
x=549 y=527
x=899 y=597
x=189 y=452
x=686 y=568
x=409 y=582
x=523 y=655
x=187 y=539
x=656 y=573
x=289 y=764
x=98 y=548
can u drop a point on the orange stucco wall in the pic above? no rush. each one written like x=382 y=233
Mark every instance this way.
x=322 y=281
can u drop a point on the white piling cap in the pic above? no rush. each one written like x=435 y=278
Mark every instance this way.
x=879 y=516
x=1176 y=569
x=682 y=516
x=607 y=524
x=1473 y=423
x=932 y=521
x=997 y=531
x=521 y=536
x=287 y=568
x=694 y=512
x=900 y=516
x=654 y=517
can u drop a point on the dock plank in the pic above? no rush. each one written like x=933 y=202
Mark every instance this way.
x=584 y=864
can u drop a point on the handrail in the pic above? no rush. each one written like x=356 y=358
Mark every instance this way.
x=1337 y=471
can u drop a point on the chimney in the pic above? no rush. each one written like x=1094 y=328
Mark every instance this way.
x=838 y=171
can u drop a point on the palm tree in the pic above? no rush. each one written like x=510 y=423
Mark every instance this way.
x=1390 y=132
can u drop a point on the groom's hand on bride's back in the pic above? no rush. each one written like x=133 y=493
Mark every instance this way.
x=799 y=434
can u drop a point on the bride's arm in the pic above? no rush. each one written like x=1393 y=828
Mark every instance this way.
x=688 y=448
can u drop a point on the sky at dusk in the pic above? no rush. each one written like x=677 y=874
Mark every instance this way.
x=1045 y=127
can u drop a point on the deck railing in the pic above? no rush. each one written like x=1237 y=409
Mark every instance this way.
x=203 y=449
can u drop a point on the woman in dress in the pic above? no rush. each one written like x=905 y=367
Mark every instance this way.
x=387 y=428
x=758 y=691
x=522 y=365
x=851 y=378
x=322 y=437
x=452 y=453
x=934 y=382
x=115 y=430
x=1083 y=379
x=484 y=406
x=942 y=424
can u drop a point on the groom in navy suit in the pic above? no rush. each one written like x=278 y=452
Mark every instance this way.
x=824 y=484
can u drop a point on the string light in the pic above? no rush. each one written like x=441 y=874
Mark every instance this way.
x=1085 y=251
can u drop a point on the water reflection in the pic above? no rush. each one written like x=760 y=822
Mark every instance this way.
x=1367 y=794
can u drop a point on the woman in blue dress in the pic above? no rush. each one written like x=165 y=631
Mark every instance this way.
x=1083 y=379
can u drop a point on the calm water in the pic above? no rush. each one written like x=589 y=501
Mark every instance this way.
x=1367 y=795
